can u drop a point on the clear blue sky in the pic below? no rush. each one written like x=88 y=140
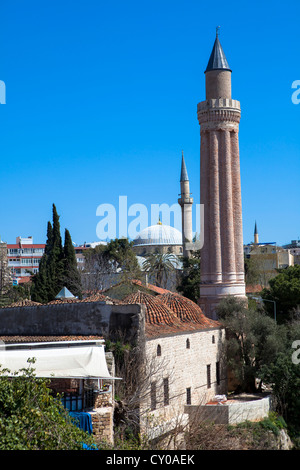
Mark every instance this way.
x=101 y=98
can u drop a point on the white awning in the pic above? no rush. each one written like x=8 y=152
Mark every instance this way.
x=57 y=360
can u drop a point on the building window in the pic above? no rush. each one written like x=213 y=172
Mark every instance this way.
x=208 y=376
x=166 y=392
x=188 y=344
x=153 y=396
x=218 y=373
x=188 y=396
x=158 y=350
x=213 y=339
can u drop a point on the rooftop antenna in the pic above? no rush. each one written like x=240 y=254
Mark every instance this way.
x=217 y=31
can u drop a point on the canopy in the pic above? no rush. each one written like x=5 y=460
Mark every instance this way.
x=55 y=360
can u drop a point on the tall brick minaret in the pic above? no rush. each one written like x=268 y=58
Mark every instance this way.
x=186 y=201
x=222 y=257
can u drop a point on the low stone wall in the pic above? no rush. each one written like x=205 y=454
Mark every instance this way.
x=232 y=412
x=102 y=420
x=102 y=417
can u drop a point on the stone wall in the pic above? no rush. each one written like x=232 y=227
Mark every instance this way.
x=78 y=318
x=184 y=361
x=232 y=413
x=102 y=417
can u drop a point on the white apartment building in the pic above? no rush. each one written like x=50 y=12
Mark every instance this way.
x=23 y=258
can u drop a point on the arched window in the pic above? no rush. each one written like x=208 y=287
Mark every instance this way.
x=188 y=344
x=213 y=339
x=158 y=350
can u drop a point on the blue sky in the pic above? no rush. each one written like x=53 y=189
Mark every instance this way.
x=101 y=98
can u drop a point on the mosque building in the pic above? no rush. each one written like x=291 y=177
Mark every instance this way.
x=161 y=238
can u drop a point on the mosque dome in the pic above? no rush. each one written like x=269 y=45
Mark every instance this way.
x=159 y=234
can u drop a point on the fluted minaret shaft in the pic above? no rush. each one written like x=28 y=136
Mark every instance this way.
x=222 y=258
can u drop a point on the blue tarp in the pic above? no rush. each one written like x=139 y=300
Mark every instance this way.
x=82 y=420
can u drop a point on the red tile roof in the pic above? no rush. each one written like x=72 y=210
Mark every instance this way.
x=23 y=279
x=45 y=339
x=156 y=312
x=102 y=298
x=185 y=309
x=22 y=303
x=161 y=320
x=158 y=290
x=253 y=289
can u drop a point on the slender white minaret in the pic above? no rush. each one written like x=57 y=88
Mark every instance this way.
x=186 y=202
x=222 y=257
x=255 y=234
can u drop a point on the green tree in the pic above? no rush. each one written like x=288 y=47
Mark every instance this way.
x=55 y=262
x=107 y=264
x=283 y=375
x=71 y=275
x=121 y=257
x=252 y=271
x=32 y=419
x=189 y=284
x=160 y=266
x=55 y=258
x=285 y=291
x=253 y=340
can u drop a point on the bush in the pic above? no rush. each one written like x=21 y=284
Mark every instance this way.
x=32 y=419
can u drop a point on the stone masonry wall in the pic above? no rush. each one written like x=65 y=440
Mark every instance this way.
x=185 y=368
x=78 y=318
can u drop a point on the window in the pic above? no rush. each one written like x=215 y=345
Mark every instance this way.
x=158 y=350
x=188 y=396
x=218 y=373
x=208 y=376
x=166 y=392
x=153 y=396
x=213 y=339
x=188 y=344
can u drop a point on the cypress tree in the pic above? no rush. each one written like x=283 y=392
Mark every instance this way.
x=49 y=241
x=41 y=280
x=72 y=278
x=55 y=261
x=58 y=265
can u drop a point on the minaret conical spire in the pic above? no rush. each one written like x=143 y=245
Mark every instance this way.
x=255 y=234
x=217 y=60
x=186 y=202
x=255 y=229
x=183 y=174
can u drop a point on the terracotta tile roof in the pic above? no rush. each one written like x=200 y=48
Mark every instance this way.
x=22 y=303
x=185 y=309
x=45 y=339
x=253 y=289
x=156 y=312
x=91 y=298
x=158 y=290
x=102 y=298
x=63 y=301
x=24 y=279
x=162 y=321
